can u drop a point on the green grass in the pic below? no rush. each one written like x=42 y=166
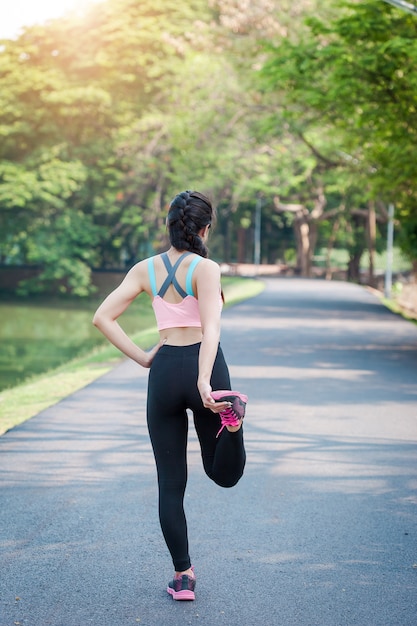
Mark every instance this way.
x=26 y=400
x=39 y=335
x=393 y=306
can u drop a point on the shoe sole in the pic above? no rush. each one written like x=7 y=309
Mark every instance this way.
x=228 y=395
x=184 y=594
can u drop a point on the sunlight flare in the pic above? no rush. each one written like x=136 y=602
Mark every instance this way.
x=23 y=13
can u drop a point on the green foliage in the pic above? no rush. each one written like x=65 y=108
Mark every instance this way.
x=64 y=248
x=103 y=117
x=71 y=92
x=352 y=78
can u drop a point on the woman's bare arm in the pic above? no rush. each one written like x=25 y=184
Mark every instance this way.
x=105 y=318
x=208 y=292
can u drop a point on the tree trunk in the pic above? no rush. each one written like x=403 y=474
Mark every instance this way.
x=313 y=234
x=305 y=236
x=301 y=230
x=353 y=268
x=305 y=229
x=241 y=248
x=355 y=227
x=330 y=246
x=227 y=242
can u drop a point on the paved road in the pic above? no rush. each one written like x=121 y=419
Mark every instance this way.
x=321 y=531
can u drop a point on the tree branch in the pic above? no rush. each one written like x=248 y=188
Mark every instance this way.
x=319 y=155
x=291 y=208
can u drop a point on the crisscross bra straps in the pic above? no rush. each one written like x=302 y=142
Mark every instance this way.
x=171 y=278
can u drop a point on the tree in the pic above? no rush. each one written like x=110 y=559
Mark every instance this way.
x=352 y=77
x=70 y=92
x=131 y=104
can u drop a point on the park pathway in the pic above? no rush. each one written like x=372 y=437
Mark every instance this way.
x=321 y=530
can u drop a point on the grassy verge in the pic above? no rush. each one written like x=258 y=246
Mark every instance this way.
x=395 y=307
x=26 y=400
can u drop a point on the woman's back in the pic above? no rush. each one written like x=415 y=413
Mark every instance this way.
x=174 y=301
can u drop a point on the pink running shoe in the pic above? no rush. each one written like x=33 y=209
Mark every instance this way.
x=182 y=587
x=234 y=414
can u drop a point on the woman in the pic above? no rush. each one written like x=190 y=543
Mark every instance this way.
x=186 y=366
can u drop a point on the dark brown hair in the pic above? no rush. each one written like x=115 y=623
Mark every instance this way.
x=189 y=212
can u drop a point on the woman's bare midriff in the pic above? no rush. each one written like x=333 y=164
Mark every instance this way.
x=181 y=336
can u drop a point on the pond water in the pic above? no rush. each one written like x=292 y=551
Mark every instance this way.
x=36 y=336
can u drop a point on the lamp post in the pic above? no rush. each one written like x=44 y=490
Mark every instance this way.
x=405 y=6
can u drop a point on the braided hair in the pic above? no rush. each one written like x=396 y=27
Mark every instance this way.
x=189 y=212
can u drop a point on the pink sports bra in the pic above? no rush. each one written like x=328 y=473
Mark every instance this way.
x=175 y=315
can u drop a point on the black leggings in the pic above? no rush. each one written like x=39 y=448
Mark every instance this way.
x=173 y=389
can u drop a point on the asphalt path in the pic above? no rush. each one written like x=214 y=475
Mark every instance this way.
x=321 y=530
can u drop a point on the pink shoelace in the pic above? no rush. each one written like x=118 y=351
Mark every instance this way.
x=233 y=414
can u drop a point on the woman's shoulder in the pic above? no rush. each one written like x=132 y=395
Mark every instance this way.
x=141 y=268
x=144 y=263
x=208 y=263
x=208 y=267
